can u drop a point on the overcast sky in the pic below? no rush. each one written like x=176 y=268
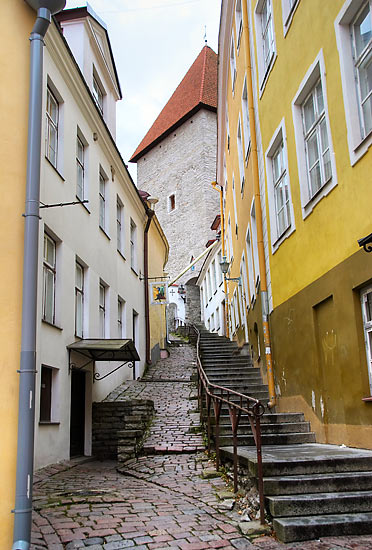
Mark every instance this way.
x=154 y=43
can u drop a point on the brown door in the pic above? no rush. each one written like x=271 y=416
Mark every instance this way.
x=77 y=416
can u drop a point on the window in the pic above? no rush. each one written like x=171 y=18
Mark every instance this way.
x=219 y=256
x=229 y=241
x=319 y=168
x=316 y=163
x=52 y=115
x=214 y=276
x=102 y=201
x=171 y=203
x=210 y=288
x=238 y=22
x=361 y=31
x=218 y=320
x=256 y=265
x=366 y=300
x=47 y=389
x=97 y=93
x=235 y=210
x=49 y=279
x=119 y=225
x=79 y=169
x=227 y=130
x=121 y=318
x=354 y=43
x=246 y=128
x=133 y=245
x=250 y=266
x=243 y=274
x=288 y=9
x=265 y=39
x=240 y=156
x=102 y=310
x=79 y=299
x=232 y=64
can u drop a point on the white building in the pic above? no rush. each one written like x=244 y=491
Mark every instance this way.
x=210 y=281
x=91 y=254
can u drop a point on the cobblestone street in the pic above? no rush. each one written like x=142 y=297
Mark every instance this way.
x=161 y=500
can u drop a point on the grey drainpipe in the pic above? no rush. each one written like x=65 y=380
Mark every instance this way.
x=26 y=407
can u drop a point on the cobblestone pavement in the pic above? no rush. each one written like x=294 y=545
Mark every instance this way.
x=161 y=501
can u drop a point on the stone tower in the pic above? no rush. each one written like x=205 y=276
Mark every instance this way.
x=176 y=162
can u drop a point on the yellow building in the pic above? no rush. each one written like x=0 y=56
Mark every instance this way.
x=312 y=97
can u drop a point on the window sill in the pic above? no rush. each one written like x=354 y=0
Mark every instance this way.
x=48 y=423
x=83 y=204
x=367 y=399
x=51 y=324
x=280 y=240
x=309 y=206
x=55 y=169
x=267 y=73
x=104 y=232
x=134 y=271
x=122 y=255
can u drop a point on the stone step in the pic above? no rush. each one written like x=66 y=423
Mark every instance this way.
x=291 y=438
x=317 y=483
x=313 y=527
x=324 y=503
x=269 y=418
x=284 y=428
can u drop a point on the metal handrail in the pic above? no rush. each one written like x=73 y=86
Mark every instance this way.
x=217 y=395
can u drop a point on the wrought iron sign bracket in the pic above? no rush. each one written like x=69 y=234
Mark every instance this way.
x=97 y=376
x=366 y=243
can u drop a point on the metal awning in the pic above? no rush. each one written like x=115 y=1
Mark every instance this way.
x=106 y=350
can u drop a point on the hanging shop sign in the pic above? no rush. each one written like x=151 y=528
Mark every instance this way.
x=158 y=293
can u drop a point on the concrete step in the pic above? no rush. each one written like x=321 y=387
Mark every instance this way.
x=285 y=428
x=291 y=438
x=318 y=483
x=325 y=503
x=269 y=418
x=313 y=527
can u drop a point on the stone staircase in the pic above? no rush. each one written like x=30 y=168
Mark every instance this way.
x=311 y=490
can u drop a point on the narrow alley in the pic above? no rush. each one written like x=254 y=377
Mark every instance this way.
x=164 y=499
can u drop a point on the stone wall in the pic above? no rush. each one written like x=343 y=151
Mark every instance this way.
x=193 y=312
x=109 y=418
x=184 y=164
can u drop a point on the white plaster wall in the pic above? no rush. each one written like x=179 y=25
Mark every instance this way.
x=77 y=230
x=217 y=296
x=184 y=164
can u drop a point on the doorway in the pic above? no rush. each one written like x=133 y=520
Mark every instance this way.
x=77 y=413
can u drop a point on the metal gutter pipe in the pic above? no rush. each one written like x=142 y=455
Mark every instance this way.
x=26 y=407
x=260 y=239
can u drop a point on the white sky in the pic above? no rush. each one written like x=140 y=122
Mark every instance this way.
x=154 y=43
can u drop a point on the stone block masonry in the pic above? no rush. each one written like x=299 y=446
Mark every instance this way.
x=112 y=418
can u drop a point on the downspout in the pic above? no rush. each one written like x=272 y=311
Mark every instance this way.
x=26 y=407
x=214 y=185
x=150 y=214
x=257 y=199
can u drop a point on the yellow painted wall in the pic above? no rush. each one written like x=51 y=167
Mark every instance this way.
x=158 y=256
x=18 y=19
x=329 y=234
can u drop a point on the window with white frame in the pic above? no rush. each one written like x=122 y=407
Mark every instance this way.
x=316 y=164
x=80 y=168
x=250 y=266
x=353 y=28
x=102 y=200
x=366 y=302
x=256 y=265
x=246 y=127
x=48 y=383
x=240 y=156
x=243 y=274
x=232 y=64
x=227 y=131
x=319 y=169
x=102 y=309
x=279 y=192
x=119 y=226
x=219 y=260
x=288 y=9
x=133 y=245
x=210 y=288
x=265 y=38
x=214 y=276
x=229 y=241
x=121 y=318
x=236 y=309
x=51 y=136
x=238 y=22
x=234 y=201
x=98 y=93
x=49 y=279
x=212 y=323
x=218 y=320
x=79 y=300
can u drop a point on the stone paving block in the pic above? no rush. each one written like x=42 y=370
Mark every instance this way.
x=241 y=543
x=118 y=545
x=94 y=540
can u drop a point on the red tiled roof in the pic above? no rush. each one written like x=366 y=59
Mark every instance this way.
x=198 y=89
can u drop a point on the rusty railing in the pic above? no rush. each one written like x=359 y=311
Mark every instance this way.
x=216 y=395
